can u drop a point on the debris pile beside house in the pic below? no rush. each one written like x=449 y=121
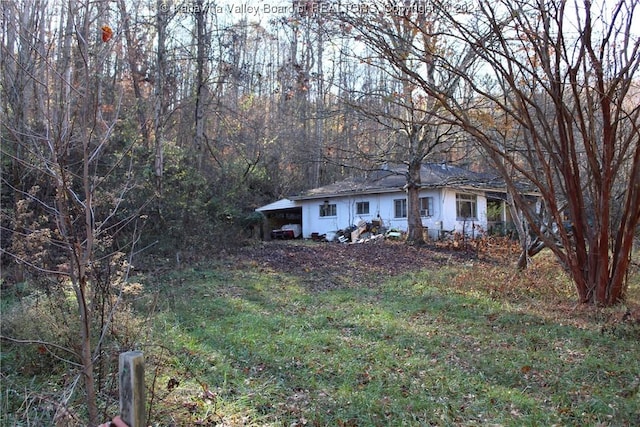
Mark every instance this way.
x=362 y=232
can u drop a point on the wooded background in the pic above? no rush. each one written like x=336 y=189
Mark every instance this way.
x=157 y=127
x=193 y=115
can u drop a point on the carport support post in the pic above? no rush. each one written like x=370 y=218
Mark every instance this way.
x=131 y=376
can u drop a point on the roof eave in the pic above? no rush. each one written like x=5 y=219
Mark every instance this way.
x=346 y=193
x=465 y=186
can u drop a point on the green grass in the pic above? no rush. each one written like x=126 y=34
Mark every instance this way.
x=410 y=350
x=234 y=343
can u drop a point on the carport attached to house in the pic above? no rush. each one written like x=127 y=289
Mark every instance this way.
x=280 y=213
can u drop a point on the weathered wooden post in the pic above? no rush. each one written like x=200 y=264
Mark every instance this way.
x=131 y=373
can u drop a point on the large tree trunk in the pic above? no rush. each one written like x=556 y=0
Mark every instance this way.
x=523 y=232
x=158 y=106
x=415 y=229
x=201 y=86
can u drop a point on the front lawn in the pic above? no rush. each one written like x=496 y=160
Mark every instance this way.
x=293 y=334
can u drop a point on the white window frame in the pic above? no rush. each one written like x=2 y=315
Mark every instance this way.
x=328 y=210
x=466 y=199
x=360 y=206
x=426 y=211
x=401 y=206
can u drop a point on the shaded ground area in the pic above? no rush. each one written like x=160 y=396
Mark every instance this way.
x=345 y=264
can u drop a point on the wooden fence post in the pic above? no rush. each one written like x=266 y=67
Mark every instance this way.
x=131 y=375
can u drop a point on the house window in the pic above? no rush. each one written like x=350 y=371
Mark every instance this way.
x=328 y=209
x=426 y=206
x=362 y=208
x=400 y=208
x=466 y=206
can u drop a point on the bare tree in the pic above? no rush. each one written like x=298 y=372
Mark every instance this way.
x=565 y=74
x=60 y=140
x=159 y=100
x=137 y=72
x=201 y=87
x=406 y=44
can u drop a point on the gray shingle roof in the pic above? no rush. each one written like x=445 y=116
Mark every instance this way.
x=394 y=179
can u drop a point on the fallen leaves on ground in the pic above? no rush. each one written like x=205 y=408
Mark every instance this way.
x=344 y=264
x=491 y=268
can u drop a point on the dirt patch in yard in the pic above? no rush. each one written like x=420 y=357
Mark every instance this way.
x=338 y=265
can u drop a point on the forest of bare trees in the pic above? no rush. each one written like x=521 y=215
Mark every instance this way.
x=159 y=126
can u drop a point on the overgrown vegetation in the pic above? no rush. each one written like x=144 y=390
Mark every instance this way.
x=131 y=130
x=308 y=334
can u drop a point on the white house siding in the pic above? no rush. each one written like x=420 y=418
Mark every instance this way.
x=401 y=223
x=380 y=205
x=346 y=216
x=450 y=222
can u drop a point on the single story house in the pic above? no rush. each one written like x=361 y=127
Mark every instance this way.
x=451 y=199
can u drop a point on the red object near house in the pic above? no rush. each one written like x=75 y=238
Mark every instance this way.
x=288 y=231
